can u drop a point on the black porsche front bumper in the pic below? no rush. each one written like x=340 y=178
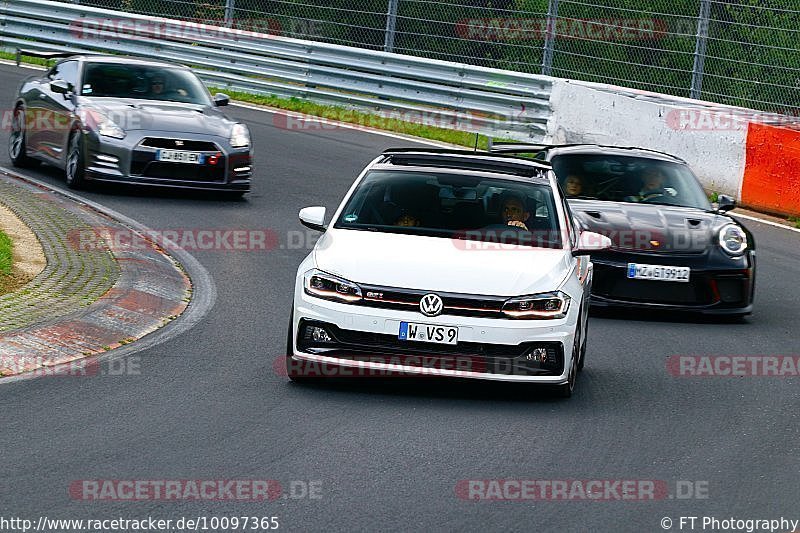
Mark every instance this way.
x=717 y=284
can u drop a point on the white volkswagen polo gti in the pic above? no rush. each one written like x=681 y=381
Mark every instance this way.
x=445 y=263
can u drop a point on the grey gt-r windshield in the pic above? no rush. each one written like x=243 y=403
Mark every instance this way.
x=146 y=82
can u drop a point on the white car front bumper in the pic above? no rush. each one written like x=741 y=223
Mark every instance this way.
x=490 y=333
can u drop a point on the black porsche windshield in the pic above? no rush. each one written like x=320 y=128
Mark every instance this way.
x=146 y=82
x=629 y=179
x=454 y=206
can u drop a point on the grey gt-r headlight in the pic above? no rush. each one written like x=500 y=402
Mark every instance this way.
x=99 y=122
x=240 y=136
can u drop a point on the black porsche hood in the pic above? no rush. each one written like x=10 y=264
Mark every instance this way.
x=650 y=227
x=156 y=116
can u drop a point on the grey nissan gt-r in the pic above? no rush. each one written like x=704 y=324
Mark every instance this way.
x=118 y=119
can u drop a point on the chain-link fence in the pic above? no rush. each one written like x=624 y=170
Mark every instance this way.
x=738 y=52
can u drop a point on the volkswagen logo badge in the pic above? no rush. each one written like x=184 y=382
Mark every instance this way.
x=431 y=305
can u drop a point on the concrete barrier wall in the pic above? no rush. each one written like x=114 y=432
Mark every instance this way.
x=710 y=139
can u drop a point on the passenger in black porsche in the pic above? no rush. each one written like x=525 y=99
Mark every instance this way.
x=573 y=185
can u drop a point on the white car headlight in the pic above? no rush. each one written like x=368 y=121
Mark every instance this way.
x=733 y=239
x=240 y=136
x=538 y=306
x=99 y=122
x=329 y=287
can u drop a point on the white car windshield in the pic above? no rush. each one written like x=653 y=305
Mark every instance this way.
x=455 y=206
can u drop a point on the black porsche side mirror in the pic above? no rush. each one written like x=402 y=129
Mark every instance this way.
x=725 y=203
x=60 y=87
x=221 y=99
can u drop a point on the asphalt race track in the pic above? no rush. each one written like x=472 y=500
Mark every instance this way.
x=208 y=404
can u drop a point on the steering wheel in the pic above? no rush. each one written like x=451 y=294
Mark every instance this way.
x=649 y=196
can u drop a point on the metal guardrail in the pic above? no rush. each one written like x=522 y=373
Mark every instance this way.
x=481 y=100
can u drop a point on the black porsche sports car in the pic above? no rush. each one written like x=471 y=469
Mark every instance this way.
x=671 y=248
x=116 y=119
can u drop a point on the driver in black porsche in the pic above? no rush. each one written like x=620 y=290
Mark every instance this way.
x=653 y=186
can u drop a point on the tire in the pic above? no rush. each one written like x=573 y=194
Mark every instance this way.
x=584 y=342
x=17 y=145
x=295 y=374
x=75 y=170
x=565 y=390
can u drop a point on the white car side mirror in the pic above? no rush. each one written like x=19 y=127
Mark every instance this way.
x=313 y=217
x=589 y=241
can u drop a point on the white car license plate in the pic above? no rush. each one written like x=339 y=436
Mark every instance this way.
x=179 y=156
x=412 y=331
x=658 y=272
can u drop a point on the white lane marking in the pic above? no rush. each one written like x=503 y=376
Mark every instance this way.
x=21 y=65
x=767 y=222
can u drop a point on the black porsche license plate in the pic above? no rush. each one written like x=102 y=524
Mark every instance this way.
x=659 y=272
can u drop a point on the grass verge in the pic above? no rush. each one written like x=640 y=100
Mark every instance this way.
x=26 y=59
x=360 y=118
x=7 y=279
x=6 y=253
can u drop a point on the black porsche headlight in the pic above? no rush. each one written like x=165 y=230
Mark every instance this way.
x=733 y=239
x=329 y=287
x=240 y=136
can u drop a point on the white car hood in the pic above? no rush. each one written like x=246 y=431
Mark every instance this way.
x=439 y=264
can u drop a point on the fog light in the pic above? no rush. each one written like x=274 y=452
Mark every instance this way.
x=319 y=334
x=538 y=355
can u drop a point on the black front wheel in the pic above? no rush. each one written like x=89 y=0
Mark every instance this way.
x=584 y=340
x=17 y=142
x=75 y=170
